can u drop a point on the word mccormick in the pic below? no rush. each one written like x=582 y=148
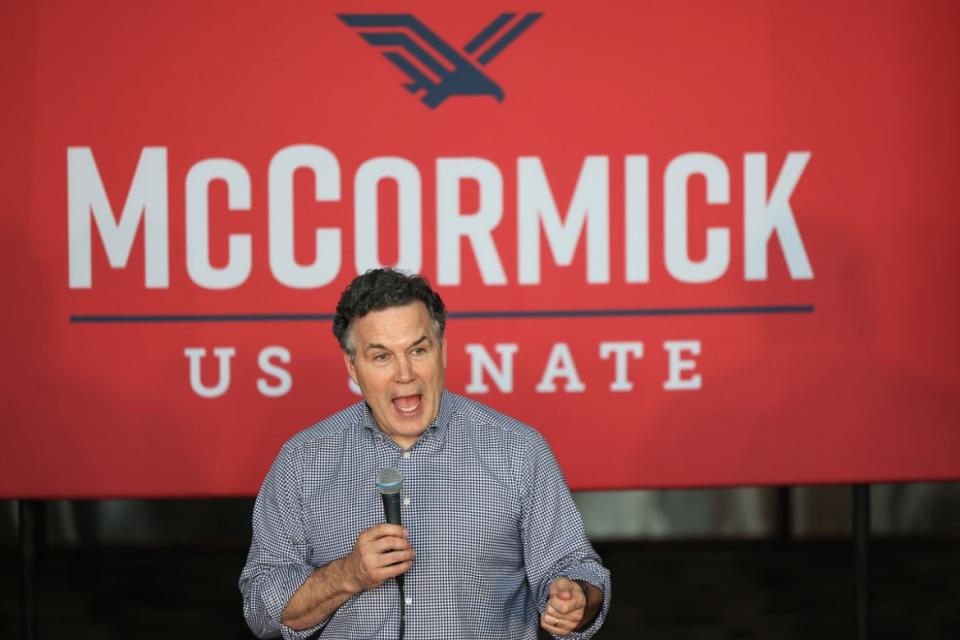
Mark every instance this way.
x=765 y=214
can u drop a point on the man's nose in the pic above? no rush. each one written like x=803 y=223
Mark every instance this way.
x=404 y=372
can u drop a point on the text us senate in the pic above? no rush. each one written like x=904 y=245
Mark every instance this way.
x=560 y=371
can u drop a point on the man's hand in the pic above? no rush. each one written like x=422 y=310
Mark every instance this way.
x=569 y=607
x=380 y=553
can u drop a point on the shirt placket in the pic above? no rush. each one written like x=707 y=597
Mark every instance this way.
x=407 y=464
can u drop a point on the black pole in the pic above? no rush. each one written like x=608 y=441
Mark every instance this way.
x=861 y=537
x=30 y=527
x=785 y=514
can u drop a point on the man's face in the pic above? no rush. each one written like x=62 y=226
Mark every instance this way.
x=398 y=364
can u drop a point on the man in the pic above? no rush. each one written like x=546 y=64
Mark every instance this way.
x=492 y=545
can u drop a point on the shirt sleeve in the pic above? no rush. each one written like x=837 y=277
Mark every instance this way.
x=554 y=541
x=277 y=564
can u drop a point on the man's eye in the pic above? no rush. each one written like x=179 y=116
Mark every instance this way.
x=419 y=351
x=380 y=357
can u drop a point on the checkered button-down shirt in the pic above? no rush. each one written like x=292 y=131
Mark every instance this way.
x=486 y=506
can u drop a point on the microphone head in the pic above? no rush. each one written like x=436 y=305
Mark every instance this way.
x=389 y=481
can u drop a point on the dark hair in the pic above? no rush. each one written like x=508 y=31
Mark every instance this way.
x=380 y=289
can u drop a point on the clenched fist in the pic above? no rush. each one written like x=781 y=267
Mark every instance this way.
x=569 y=606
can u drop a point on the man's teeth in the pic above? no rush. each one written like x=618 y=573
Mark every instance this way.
x=408 y=404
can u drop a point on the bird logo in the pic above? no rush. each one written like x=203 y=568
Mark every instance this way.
x=433 y=66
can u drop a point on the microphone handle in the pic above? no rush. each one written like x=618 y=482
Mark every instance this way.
x=391 y=510
x=391 y=507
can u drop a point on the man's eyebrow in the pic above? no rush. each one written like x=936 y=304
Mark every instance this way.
x=377 y=345
x=422 y=338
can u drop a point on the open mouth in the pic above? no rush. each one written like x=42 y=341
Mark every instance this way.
x=407 y=405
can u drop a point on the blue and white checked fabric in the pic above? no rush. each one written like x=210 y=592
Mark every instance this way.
x=488 y=512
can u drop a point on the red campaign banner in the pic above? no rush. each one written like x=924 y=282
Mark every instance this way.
x=693 y=244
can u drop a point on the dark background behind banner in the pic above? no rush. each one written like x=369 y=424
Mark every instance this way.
x=685 y=563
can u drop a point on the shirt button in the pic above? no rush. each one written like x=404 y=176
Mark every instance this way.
x=406 y=502
x=409 y=600
x=406 y=455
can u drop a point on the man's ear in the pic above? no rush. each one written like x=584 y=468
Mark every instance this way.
x=347 y=360
x=443 y=351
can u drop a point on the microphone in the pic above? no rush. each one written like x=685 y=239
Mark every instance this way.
x=389 y=483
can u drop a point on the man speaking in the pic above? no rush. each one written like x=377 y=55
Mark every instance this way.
x=491 y=544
